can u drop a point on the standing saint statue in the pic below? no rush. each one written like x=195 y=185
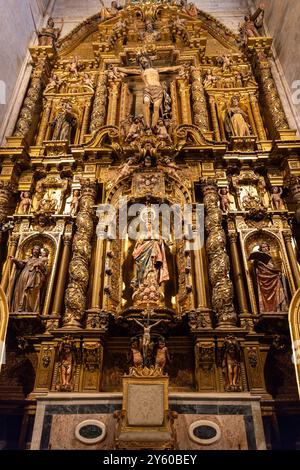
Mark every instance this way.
x=153 y=90
x=49 y=35
x=236 y=120
x=251 y=24
x=30 y=285
x=151 y=268
x=63 y=124
x=270 y=282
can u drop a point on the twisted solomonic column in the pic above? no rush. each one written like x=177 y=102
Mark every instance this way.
x=75 y=297
x=222 y=289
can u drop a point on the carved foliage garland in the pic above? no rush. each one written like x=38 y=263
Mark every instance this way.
x=5 y=200
x=75 y=298
x=222 y=290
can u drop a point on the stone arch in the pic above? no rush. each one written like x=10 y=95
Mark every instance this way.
x=4 y=312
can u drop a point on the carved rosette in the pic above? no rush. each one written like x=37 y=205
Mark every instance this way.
x=270 y=91
x=222 y=289
x=99 y=109
x=199 y=101
x=34 y=94
x=75 y=298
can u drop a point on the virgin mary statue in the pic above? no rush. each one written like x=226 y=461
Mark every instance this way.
x=151 y=268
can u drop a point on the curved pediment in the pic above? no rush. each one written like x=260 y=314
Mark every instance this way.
x=80 y=40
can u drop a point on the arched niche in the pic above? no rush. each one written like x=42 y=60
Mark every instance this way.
x=24 y=252
x=279 y=259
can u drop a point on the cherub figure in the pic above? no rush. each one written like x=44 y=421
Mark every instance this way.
x=88 y=81
x=231 y=360
x=162 y=132
x=126 y=168
x=135 y=357
x=224 y=199
x=25 y=203
x=75 y=66
x=134 y=130
x=113 y=72
x=184 y=71
x=276 y=197
x=75 y=202
x=226 y=63
x=162 y=354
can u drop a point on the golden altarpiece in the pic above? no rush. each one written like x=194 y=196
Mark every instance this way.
x=153 y=103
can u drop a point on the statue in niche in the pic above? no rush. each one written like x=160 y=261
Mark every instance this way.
x=109 y=12
x=49 y=203
x=64 y=123
x=252 y=23
x=151 y=267
x=276 y=198
x=224 y=199
x=66 y=366
x=49 y=35
x=75 y=202
x=30 y=285
x=153 y=90
x=271 y=284
x=25 y=203
x=236 y=120
x=231 y=364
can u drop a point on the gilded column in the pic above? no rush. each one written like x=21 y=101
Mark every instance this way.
x=85 y=121
x=219 y=267
x=62 y=275
x=96 y=288
x=294 y=185
x=270 y=93
x=99 y=107
x=184 y=94
x=257 y=117
x=175 y=114
x=113 y=98
x=27 y=117
x=214 y=117
x=13 y=245
x=75 y=297
x=44 y=123
x=199 y=101
x=238 y=273
x=292 y=258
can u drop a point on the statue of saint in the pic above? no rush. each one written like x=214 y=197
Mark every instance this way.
x=49 y=35
x=135 y=357
x=161 y=354
x=270 y=282
x=276 y=198
x=153 y=89
x=66 y=366
x=249 y=28
x=231 y=360
x=107 y=13
x=149 y=256
x=30 y=285
x=236 y=120
x=63 y=124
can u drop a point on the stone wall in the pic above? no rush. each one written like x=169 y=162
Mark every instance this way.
x=17 y=32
